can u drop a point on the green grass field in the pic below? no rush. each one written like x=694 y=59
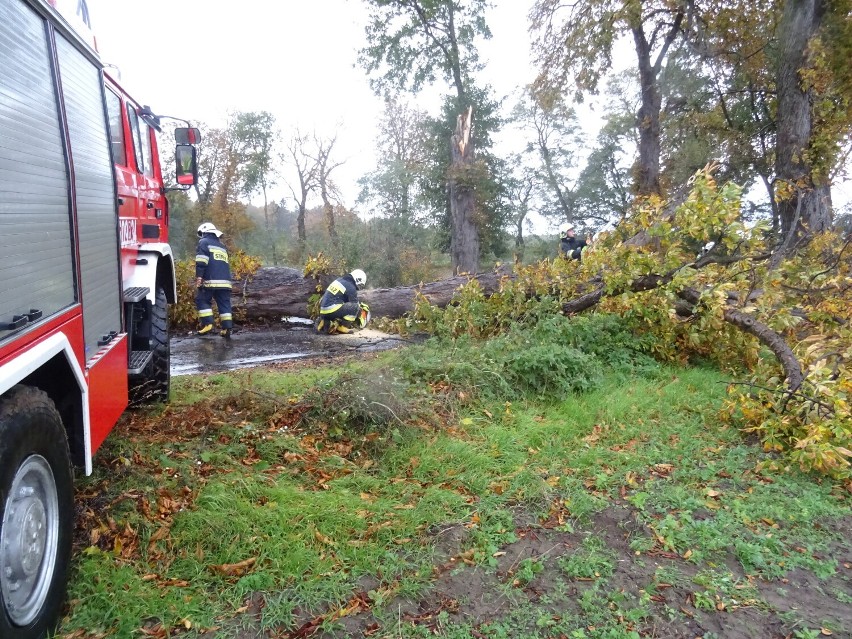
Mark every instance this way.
x=423 y=494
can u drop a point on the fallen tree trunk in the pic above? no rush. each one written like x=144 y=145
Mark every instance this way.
x=275 y=292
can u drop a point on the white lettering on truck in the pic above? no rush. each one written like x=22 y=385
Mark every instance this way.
x=127 y=230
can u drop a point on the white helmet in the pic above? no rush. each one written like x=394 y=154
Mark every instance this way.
x=360 y=278
x=207 y=227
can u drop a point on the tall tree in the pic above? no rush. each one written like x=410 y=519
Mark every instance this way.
x=483 y=175
x=574 y=45
x=393 y=192
x=258 y=133
x=413 y=43
x=392 y=188
x=604 y=193
x=555 y=141
x=806 y=207
x=520 y=189
x=793 y=57
x=222 y=158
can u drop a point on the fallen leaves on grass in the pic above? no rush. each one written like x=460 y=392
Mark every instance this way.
x=234 y=570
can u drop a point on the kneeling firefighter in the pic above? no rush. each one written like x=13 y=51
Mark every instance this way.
x=340 y=311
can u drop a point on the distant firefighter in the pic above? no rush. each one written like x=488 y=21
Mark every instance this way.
x=571 y=246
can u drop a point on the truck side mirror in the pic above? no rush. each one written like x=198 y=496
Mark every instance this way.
x=187 y=136
x=186 y=162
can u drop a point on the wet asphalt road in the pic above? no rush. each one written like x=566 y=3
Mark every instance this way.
x=246 y=348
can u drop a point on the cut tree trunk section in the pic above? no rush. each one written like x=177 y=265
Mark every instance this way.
x=276 y=292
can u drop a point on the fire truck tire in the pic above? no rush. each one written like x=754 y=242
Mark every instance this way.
x=161 y=375
x=36 y=514
x=155 y=387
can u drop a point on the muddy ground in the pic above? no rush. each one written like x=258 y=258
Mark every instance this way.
x=482 y=597
x=262 y=345
x=472 y=601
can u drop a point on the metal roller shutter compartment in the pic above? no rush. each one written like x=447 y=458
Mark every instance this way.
x=36 y=262
x=97 y=221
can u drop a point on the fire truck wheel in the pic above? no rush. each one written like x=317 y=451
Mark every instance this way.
x=161 y=375
x=36 y=514
x=155 y=387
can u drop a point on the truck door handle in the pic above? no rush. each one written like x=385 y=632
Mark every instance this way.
x=120 y=200
x=150 y=205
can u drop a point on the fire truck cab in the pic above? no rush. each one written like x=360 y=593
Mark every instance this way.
x=86 y=274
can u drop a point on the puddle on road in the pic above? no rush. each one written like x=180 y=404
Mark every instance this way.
x=231 y=364
x=255 y=347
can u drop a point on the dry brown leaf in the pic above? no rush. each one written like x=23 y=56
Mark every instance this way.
x=323 y=539
x=234 y=570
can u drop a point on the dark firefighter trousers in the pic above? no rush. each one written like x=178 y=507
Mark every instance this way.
x=203 y=302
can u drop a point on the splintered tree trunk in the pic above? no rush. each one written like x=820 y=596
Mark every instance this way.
x=464 y=241
x=808 y=209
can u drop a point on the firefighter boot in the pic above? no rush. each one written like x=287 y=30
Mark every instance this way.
x=205 y=330
x=226 y=333
x=342 y=328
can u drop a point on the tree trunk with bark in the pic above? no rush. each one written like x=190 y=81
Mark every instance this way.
x=464 y=243
x=807 y=209
x=648 y=120
x=276 y=292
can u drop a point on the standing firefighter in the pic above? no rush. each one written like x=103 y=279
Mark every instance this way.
x=213 y=280
x=340 y=311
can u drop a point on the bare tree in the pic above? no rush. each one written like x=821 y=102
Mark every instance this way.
x=298 y=155
x=325 y=165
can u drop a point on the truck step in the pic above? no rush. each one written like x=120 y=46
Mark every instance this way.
x=138 y=361
x=136 y=293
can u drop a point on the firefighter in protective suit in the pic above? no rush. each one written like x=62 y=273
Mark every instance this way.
x=340 y=311
x=213 y=280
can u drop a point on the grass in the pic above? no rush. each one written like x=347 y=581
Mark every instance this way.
x=239 y=488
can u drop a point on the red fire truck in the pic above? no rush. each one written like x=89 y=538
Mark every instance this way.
x=86 y=274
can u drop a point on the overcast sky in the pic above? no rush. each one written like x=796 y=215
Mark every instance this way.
x=200 y=59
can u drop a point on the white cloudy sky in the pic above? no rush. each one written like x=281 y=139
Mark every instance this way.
x=200 y=59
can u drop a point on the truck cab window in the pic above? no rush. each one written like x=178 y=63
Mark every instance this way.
x=147 y=164
x=137 y=137
x=116 y=129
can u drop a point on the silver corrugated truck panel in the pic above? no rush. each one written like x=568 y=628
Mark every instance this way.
x=97 y=220
x=36 y=263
